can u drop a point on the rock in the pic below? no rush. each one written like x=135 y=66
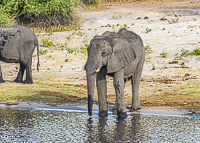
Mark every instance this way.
x=138 y=18
x=163 y=19
x=66 y=60
x=146 y=17
x=173 y=62
x=187 y=74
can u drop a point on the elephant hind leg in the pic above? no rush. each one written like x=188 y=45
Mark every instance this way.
x=1 y=77
x=28 y=79
x=19 y=78
x=135 y=81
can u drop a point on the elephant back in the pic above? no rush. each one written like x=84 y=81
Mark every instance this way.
x=130 y=36
x=9 y=43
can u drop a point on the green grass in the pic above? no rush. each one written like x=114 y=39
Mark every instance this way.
x=55 y=88
x=148 y=49
x=173 y=21
x=49 y=89
x=163 y=54
x=187 y=52
x=43 y=52
x=148 y=30
x=47 y=42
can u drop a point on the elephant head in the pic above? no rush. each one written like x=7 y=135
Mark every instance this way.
x=107 y=50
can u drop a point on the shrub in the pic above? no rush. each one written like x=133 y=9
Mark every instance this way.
x=39 y=13
x=4 y=18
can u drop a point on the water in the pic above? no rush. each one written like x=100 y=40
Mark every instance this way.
x=32 y=125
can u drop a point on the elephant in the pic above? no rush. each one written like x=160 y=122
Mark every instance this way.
x=17 y=44
x=119 y=55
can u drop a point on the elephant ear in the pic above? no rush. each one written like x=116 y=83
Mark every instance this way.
x=123 y=54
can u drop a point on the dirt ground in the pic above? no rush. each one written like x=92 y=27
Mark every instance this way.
x=166 y=27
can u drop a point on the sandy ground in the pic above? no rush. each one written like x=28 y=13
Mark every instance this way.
x=138 y=16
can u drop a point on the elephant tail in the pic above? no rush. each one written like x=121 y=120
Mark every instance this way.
x=38 y=53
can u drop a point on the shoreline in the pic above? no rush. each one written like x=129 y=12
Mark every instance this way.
x=82 y=107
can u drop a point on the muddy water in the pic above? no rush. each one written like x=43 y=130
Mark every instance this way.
x=31 y=125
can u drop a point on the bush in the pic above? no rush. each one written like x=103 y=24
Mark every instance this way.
x=40 y=13
x=4 y=19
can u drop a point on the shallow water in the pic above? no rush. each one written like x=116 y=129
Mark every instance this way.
x=31 y=125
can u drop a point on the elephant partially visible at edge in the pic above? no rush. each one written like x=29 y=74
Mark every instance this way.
x=120 y=55
x=17 y=44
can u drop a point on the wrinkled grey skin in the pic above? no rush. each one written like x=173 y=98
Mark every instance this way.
x=17 y=44
x=120 y=55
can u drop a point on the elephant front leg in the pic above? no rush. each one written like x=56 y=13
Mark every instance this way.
x=102 y=92
x=1 y=77
x=118 y=82
x=19 y=78
x=28 y=79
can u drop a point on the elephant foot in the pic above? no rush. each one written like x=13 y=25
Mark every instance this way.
x=18 y=80
x=28 y=81
x=135 y=108
x=114 y=110
x=103 y=113
x=2 y=81
x=121 y=114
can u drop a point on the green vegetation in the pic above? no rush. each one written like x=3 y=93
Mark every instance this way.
x=43 y=52
x=148 y=49
x=117 y=16
x=173 y=21
x=8 y=103
x=195 y=19
x=4 y=20
x=38 y=13
x=153 y=67
x=163 y=54
x=117 y=27
x=148 y=30
x=80 y=33
x=187 y=52
x=47 y=90
x=148 y=59
x=52 y=90
x=177 y=57
x=82 y=49
x=47 y=42
x=147 y=52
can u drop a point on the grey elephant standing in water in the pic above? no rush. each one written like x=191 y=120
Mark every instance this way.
x=120 y=55
x=17 y=44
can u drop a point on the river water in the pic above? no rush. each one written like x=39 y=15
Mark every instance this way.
x=33 y=125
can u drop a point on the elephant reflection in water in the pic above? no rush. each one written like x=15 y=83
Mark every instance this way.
x=123 y=129
x=120 y=55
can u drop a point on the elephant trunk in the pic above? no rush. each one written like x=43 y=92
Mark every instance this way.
x=90 y=87
x=92 y=68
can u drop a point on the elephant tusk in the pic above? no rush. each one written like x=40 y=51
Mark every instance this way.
x=97 y=70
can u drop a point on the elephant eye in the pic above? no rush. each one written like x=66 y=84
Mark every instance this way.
x=103 y=53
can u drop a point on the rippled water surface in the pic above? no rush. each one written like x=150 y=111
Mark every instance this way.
x=31 y=125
